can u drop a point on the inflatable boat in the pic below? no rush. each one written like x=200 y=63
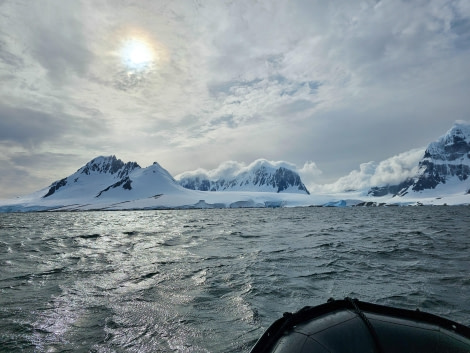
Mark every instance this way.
x=354 y=326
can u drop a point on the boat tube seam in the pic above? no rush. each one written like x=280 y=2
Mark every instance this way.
x=365 y=320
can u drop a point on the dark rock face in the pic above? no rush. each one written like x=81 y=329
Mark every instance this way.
x=399 y=189
x=110 y=165
x=448 y=157
x=100 y=165
x=56 y=186
x=369 y=204
x=282 y=179
x=125 y=183
x=437 y=173
x=445 y=158
x=285 y=178
x=196 y=184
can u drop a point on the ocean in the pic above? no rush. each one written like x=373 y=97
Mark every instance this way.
x=214 y=280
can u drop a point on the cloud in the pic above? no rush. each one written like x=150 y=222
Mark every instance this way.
x=39 y=130
x=19 y=180
x=28 y=127
x=397 y=169
x=391 y=171
x=230 y=169
x=309 y=173
x=226 y=170
x=54 y=36
x=27 y=171
x=337 y=82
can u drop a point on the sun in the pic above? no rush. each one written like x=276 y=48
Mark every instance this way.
x=137 y=54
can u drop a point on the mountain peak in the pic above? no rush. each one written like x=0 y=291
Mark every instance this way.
x=444 y=159
x=261 y=175
x=453 y=145
x=110 y=164
x=102 y=167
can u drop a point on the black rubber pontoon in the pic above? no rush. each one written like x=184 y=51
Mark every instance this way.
x=350 y=325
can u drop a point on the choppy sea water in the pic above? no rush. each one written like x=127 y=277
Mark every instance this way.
x=214 y=280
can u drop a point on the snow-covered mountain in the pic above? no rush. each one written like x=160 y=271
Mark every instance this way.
x=108 y=178
x=94 y=178
x=260 y=176
x=107 y=183
x=445 y=165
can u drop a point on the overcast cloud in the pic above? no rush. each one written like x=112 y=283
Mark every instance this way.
x=350 y=92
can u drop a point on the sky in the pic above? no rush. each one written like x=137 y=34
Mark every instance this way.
x=347 y=91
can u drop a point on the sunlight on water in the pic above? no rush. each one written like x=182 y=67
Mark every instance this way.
x=213 y=280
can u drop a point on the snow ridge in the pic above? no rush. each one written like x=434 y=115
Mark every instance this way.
x=446 y=160
x=109 y=177
x=99 y=171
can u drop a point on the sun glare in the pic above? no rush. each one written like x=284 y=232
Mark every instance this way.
x=137 y=54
